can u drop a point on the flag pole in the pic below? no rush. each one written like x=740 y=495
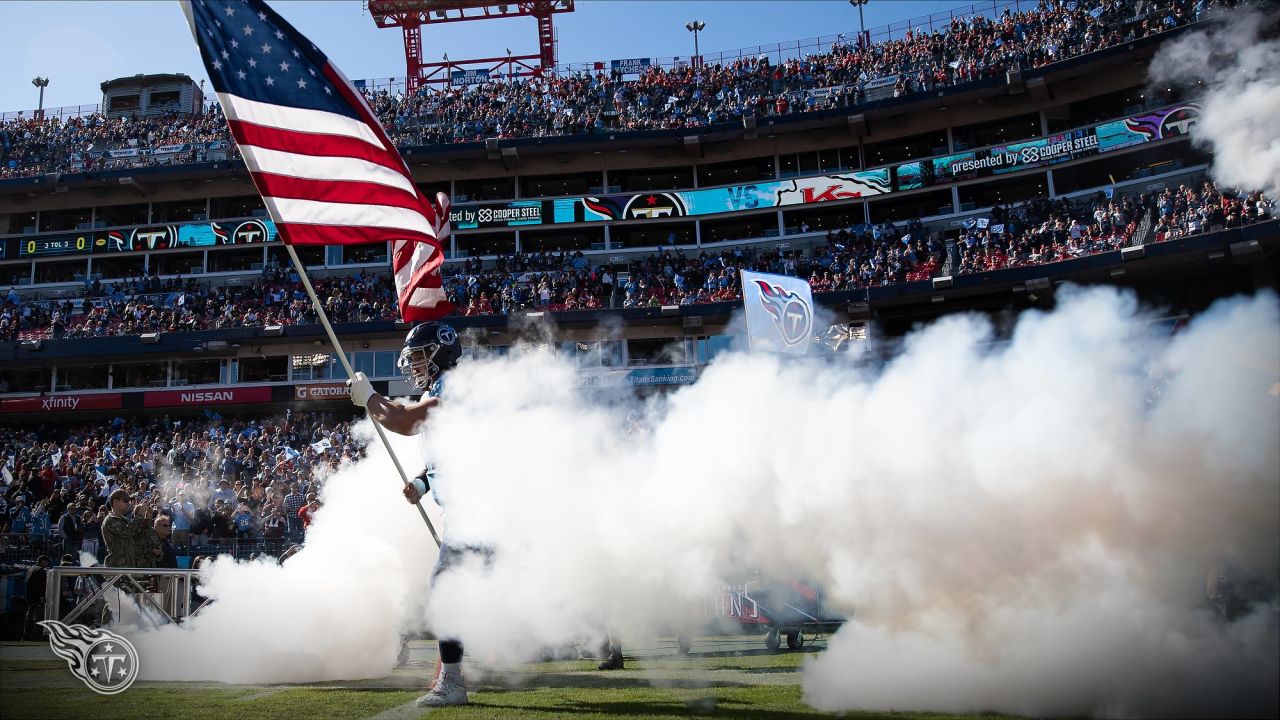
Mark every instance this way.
x=346 y=365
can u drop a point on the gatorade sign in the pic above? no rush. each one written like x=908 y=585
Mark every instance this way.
x=321 y=391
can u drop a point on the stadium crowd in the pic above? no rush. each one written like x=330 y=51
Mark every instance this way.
x=680 y=97
x=149 y=304
x=217 y=480
x=1036 y=232
x=1043 y=231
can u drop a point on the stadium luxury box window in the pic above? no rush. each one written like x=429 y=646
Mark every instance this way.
x=911 y=207
x=70 y=219
x=177 y=211
x=908 y=148
x=477 y=244
x=995 y=132
x=483 y=189
x=236 y=207
x=587 y=238
x=736 y=172
x=589 y=183
x=642 y=179
x=119 y=215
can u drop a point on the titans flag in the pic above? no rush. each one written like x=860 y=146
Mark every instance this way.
x=779 y=312
x=324 y=167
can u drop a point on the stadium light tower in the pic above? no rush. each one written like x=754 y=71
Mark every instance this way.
x=41 y=83
x=863 y=40
x=695 y=27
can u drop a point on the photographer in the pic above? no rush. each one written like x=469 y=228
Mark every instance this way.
x=130 y=540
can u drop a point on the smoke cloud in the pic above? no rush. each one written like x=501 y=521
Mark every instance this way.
x=1022 y=527
x=1236 y=58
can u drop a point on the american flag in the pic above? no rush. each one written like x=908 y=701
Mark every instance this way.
x=325 y=168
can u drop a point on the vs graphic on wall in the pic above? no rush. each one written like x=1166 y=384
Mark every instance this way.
x=779 y=312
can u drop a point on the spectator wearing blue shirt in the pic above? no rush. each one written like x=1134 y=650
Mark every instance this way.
x=242 y=520
x=39 y=524
x=223 y=493
x=183 y=513
x=20 y=516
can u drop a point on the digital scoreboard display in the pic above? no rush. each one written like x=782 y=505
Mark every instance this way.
x=58 y=245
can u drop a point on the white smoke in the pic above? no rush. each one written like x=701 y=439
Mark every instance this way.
x=1018 y=527
x=1236 y=57
x=333 y=611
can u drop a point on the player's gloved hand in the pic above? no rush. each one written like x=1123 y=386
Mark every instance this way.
x=361 y=389
x=411 y=494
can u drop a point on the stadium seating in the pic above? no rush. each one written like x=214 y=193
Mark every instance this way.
x=970 y=49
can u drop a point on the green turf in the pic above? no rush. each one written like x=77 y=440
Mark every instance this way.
x=729 y=680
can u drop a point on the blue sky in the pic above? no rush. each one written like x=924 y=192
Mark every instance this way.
x=77 y=45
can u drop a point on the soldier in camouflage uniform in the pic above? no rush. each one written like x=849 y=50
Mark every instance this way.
x=130 y=543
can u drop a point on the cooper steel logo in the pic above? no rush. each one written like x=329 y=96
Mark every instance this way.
x=105 y=662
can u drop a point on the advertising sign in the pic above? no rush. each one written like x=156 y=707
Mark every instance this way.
x=779 y=312
x=61 y=403
x=638 y=377
x=1042 y=152
x=489 y=215
x=214 y=396
x=321 y=391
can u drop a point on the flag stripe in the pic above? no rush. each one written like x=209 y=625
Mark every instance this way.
x=260 y=160
x=306 y=143
x=312 y=212
x=284 y=186
x=291 y=118
x=325 y=168
x=301 y=234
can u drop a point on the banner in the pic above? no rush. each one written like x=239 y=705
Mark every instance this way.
x=630 y=66
x=487 y=215
x=321 y=391
x=216 y=396
x=1168 y=122
x=61 y=403
x=463 y=78
x=638 y=377
x=779 y=312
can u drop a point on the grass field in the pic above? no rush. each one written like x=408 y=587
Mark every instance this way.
x=721 y=678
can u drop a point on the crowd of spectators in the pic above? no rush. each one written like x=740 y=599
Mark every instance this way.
x=685 y=96
x=76 y=144
x=1042 y=231
x=149 y=304
x=218 y=480
x=1035 y=232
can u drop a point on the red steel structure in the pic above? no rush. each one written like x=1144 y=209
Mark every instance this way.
x=411 y=15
